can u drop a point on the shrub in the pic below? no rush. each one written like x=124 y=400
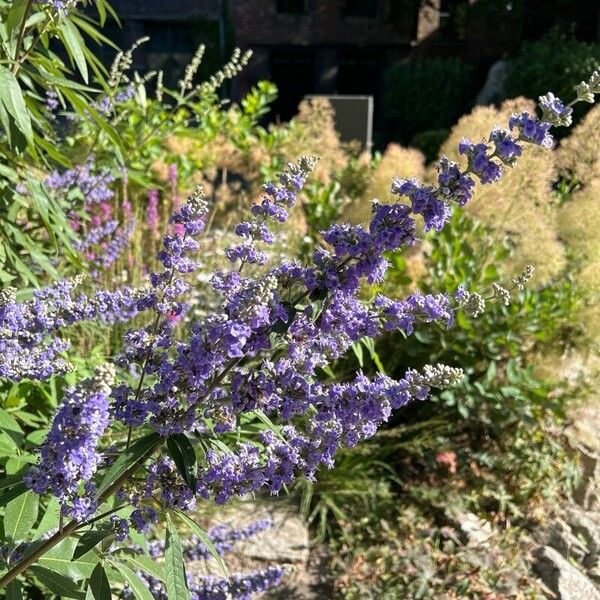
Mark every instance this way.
x=577 y=157
x=425 y=94
x=551 y=63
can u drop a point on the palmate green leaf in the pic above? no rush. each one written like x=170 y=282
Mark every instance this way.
x=138 y=587
x=127 y=459
x=71 y=38
x=11 y=97
x=59 y=584
x=203 y=536
x=182 y=452
x=174 y=566
x=98 y=586
x=20 y=515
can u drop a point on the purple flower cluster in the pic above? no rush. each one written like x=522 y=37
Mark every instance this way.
x=69 y=456
x=93 y=188
x=261 y=351
x=480 y=162
x=29 y=344
x=274 y=206
x=555 y=111
x=223 y=538
x=152 y=217
x=239 y=586
x=532 y=130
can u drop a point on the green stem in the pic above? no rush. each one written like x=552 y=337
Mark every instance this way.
x=71 y=527
x=17 y=62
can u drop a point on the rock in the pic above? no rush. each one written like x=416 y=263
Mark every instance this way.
x=474 y=531
x=286 y=542
x=585 y=524
x=592 y=565
x=558 y=534
x=565 y=580
x=493 y=90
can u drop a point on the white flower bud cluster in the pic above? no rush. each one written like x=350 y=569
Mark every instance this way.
x=235 y=65
x=594 y=82
x=197 y=202
x=7 y=296
x=103 y=379
x=501 y=293
x=521 y=280
x=159 y=86
x=258 y=294
x=305 y=166
x=441 y=376
x=191 y=70
x=438 y=376
x=472 y=303
x=584 y=92
x=123 y=62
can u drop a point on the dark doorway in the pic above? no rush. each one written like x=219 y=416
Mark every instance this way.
x=293 y=71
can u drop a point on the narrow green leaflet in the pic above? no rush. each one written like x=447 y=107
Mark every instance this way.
x=20 y=515
x=183 y=454
x=60 y=559
x=50 y=518
x=88 y=540
x=74 y=43
x=147 y=565
x=11 y=97
x=98 y=586
x=12 y=492
x=127 y=459
x=59 y=584
x=138 y=587
x=175 y=568
x=9 y=424
x=13 y=590
x=202 y=535
x=16 y=14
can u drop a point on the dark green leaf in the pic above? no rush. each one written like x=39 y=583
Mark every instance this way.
x=20 y=515
x=12 y=492
x=128 y=459
x=138 y=587
x=13 y=590
x=183 y=454
x=88 y=540
x=9 y=424
x=202 y=535
x=12 y=98
x=74 y=43
x=98 y=586
x=174 y=566
x=15 y=16
x=59 y=584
